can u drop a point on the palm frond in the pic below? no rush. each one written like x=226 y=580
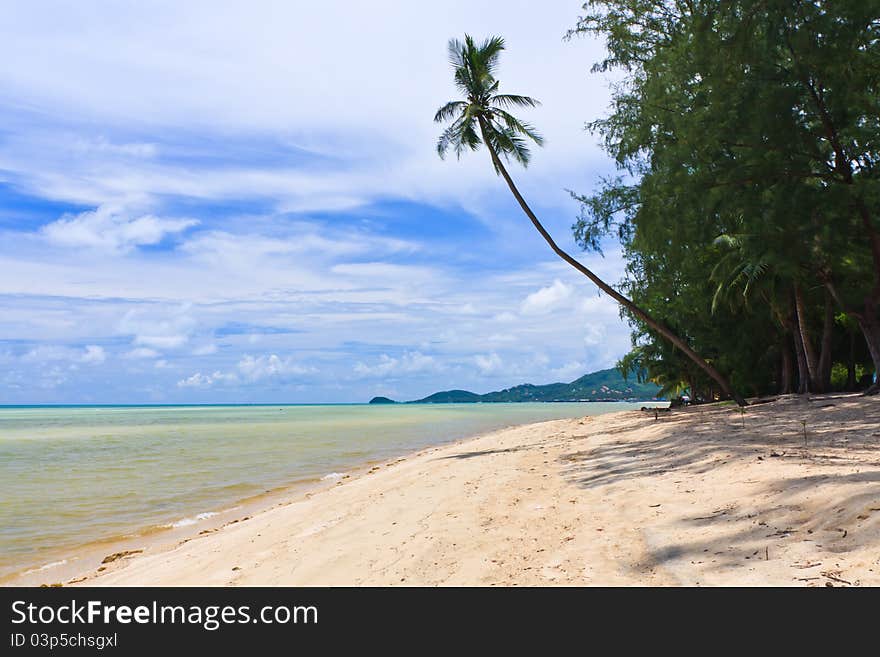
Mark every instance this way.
x=754 y=273
x=716 y=298
x=509 y=144
x=515 y=125
x=513 y=100
x=728 y=241
x=447 y=138
x=490 y=50
x=449 y=110
x=469 y=138
x=460 y=136
x=465 y=82
x=456 y=53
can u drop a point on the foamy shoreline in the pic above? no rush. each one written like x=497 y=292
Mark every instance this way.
x=704 y=496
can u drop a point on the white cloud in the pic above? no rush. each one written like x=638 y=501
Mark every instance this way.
x=272 y=366
x=162 y=341
x=594 y=334
x=199 y=380
x=250 y=370
x=205 y=350
x=105 y=146
x=141 y=352
x=570 y=371
x=378 y=134
x=159 y=328
x=435 y=344
x=300 y=238
x=90 y=354
x=93 y=354
x=489 y=364
x=409 y=363
x=547 y=299
x=52 y=378
x=110 y=229
x=46 y=353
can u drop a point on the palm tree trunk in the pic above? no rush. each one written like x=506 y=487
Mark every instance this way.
x=663 y=330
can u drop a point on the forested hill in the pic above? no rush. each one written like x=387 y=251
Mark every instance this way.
x=598 y=386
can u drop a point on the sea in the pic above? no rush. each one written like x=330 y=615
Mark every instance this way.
x=75 y=475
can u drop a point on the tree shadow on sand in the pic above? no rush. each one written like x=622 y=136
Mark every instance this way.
x=840 y=449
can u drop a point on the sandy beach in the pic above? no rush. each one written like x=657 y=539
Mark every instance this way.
x=700 y=496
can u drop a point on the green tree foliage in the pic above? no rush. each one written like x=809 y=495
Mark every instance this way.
x=748 y=139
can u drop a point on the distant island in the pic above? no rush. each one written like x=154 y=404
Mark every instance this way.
x=604 y=385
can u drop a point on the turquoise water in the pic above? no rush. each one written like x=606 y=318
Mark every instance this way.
x=73 y=475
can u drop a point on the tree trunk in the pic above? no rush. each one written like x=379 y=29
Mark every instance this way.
x=824 y=368
x=804 y=334
x=663 y=330
x=787 y=367
x=870 y=326
x=873 y=240
x=803 y=372
x=851 y=363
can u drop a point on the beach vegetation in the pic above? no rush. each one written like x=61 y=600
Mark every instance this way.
x=747 y=199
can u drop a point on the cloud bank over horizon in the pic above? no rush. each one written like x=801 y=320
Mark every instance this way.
x=246 y=205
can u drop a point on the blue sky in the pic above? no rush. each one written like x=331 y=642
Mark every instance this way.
x=221 y=202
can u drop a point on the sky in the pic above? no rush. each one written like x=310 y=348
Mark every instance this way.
x=219 y=202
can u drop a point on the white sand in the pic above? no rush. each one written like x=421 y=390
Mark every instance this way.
x=620 y=499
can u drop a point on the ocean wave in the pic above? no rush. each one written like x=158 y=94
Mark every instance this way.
x=333 y=475
x=185 y=522
x=44 y=567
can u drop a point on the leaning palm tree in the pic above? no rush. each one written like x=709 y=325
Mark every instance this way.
x=482 y=117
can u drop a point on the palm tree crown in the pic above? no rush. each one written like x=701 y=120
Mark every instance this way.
x=483 y=116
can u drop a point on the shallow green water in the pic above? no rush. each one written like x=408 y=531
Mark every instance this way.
x=73 y=475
